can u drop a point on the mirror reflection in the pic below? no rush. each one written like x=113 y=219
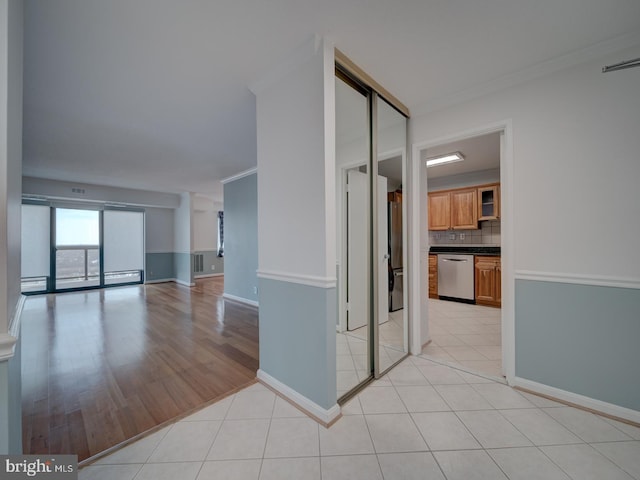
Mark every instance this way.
x=353 y=239
x=392 y=317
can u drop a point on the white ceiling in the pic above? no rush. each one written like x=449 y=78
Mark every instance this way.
x=153 y=93
x=480 y=153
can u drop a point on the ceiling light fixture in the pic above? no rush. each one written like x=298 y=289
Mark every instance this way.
x=446 y=158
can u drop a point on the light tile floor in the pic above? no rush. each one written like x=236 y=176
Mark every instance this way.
x=422 y=421
x=466 y=335
x=351 y=351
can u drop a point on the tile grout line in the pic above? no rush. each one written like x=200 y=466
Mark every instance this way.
x=416 y=425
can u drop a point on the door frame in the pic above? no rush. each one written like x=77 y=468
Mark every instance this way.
x=419 y=240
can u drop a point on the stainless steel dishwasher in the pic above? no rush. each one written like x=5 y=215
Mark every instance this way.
x=455 y=276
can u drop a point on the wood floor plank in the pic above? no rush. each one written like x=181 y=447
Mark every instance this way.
x=102 y=366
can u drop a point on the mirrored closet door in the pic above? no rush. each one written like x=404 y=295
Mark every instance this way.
x=371 y=233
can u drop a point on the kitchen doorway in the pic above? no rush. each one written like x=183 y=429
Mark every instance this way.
x=473 y=333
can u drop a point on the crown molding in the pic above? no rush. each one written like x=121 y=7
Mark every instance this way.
x=240 y=175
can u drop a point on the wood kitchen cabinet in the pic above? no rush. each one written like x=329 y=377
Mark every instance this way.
x=464 y=209
x=433 y=276
x=453 y=209
x=489 y=202
x=488 y=281
x=439 y=211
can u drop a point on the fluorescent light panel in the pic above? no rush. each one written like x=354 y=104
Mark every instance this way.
x=442 y=159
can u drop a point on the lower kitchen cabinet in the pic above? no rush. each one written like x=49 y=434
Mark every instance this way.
x=488 y=281
x=433 y=276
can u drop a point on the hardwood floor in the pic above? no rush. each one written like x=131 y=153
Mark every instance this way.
x=101 y=366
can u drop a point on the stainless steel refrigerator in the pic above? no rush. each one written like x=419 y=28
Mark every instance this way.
x=396 y=272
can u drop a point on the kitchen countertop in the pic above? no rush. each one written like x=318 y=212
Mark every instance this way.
x=466 y=249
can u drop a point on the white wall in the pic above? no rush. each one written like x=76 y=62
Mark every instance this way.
x=182 y=221
x=10 y=158
x=159 y=228
x=205 y=223
x=205 y=231
x=576 y=155
x=11 y=50
x=296 y=221
x=97 y=193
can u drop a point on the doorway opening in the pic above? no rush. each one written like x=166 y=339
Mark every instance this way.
x=466 y=314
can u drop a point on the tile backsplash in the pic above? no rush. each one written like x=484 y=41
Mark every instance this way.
x=489 y=234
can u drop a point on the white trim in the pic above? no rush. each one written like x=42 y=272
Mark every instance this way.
x=240 y=175
x=8 y=340
x=538 y=70
x=7 y=346
x=415 y=251
x=182 y=282
x=316 y=411
x=159 y=280
x=15 y=321
x=235 y=298
x=420 y=279
x=209 y=275
x=577 y=399
x=158 y=252
x=310 y=280
x=579 y=279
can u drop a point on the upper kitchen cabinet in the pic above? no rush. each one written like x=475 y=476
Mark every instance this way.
x=439 y=211
x=453 y=209
x=464 y=209
x=489 y=202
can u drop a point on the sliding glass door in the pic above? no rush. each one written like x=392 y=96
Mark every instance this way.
x=78 y=248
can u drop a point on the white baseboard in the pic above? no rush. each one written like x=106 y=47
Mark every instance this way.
x=235 y=298
x=186 y=284
x=322 y=415
x=209 y=275
x=598 y=406
x=160 y=280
